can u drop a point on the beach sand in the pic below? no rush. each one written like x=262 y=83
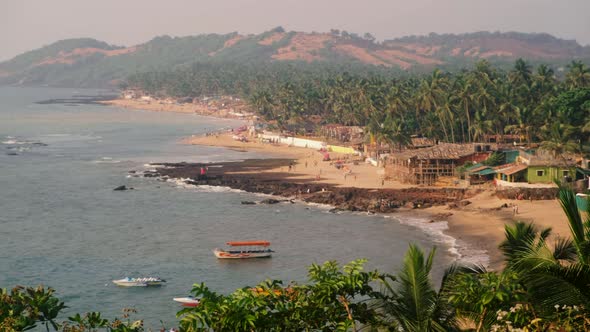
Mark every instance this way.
x=480 y=224
x=308 y=163
x=158 y=106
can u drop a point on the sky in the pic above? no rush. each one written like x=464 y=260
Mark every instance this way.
x=30 y=24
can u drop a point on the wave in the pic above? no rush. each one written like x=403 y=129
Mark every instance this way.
x=182 y=183
x=463 y=252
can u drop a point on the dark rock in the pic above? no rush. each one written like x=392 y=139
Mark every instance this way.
x=269 y=201
x=11 y=154
x=119 y=188
x=464 y=203
x=248 y=203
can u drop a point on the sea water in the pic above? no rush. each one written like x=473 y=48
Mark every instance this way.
x=63 y=226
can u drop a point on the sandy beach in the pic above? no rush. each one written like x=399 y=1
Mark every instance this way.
x=160 y=106
x=480 y=224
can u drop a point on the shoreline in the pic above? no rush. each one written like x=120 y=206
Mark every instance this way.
x=476 y=228
x=476 y=221
x=186 y=108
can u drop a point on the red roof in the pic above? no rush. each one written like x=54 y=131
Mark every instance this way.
x=248 y=243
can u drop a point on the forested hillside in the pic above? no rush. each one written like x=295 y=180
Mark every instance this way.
x=470 y=105
x=92 y=63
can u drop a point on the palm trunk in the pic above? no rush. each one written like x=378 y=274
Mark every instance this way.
x=468 y=122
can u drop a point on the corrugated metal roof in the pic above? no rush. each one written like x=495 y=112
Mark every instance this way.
x=486 y=171
x=512 y=170
x=477 y=169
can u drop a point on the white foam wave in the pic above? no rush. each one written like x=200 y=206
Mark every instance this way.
x=436 y=230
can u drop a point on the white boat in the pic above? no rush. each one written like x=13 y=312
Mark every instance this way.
x=139 y=282
x=245 y=249
x=188 y=301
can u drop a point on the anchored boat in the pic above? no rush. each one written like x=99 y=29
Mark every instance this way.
x=139 y=282
x=188 y=301
x=245 y=249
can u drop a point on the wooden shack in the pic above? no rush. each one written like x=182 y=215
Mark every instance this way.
x=425 y=166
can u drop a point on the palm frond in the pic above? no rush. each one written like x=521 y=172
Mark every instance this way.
x=567 y=200
x=560 y=285
x=564 y=250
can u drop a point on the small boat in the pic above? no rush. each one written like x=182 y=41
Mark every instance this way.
x=139 y=282
x=245 y=249
x=188 y=301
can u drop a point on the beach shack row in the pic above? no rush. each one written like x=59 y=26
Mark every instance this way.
x=426 y=165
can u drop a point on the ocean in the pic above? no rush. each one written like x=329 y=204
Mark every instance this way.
x=63 y=226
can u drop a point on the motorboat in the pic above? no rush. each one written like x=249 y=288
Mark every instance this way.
x=188 y=301
x=139 y=282
x=244 y=249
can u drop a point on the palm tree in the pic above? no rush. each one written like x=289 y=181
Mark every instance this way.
x=464 y=99
x=578 y=75
x=543 y=81
x=397 y=100
x=521 y=74
x=481 y=126
x=553 y=277
x=557 y=139
x=523 y=123
x=520 y=238
x=431 y=96
x=395 y=132
x=410 y=302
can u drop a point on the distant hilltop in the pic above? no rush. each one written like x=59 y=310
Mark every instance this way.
x=91 y=63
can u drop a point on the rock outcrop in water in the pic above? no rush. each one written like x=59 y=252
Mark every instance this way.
x=253 y=176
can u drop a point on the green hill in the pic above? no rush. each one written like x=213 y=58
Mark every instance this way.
x=92 y=63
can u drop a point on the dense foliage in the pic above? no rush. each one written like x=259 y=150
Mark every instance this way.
x=470 y=105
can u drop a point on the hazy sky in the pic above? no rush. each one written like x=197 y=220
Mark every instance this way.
x=30 y=24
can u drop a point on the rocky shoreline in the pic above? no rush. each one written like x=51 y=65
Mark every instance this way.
x=254 y=176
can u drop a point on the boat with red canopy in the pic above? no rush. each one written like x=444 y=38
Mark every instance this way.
x=244 y=249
